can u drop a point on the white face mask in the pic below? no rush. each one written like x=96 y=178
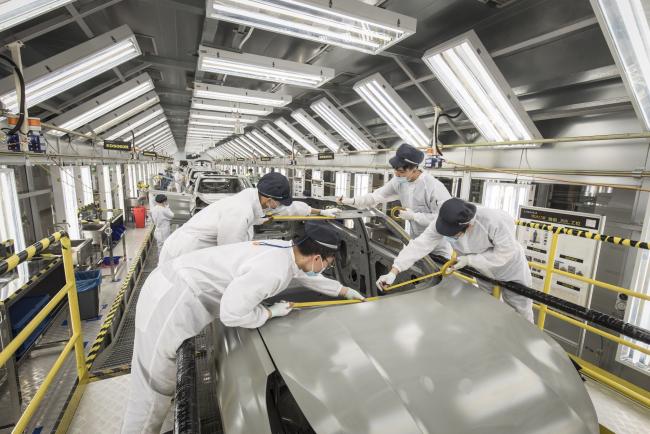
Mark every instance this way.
x=401 y=179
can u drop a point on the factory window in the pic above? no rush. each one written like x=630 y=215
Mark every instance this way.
x=10 y=221
x=133 y=183
x=361 y=184
x=70 y=201
x=342 y=183
x=316 y=175
x=506 y=196
x=120 y=187
x=86 y=186
x=638 y=313
x=108 y=191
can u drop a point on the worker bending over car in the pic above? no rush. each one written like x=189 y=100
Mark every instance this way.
x=231 y=220
x=484 y=239
x=419 y=193
x=229 y=282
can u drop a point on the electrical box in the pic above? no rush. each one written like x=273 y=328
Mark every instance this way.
x=574 y=254
x=298 y=186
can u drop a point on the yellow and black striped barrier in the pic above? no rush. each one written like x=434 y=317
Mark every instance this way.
x=34 y=278
x=98 y=345
x=13 y=261
x=619 y=241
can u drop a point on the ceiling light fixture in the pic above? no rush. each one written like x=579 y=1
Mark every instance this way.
x=315 y=129
x=71 y=67
x=105 y=103
x=230 y=107
x=236 y=94
x=385 y=101
x=345 y=23
x=341 y=124
x=122 y=129
x=626 y=26
x=262 y=68
x=295 y=135
x=222 y=117
x=123 y=113
x=278 y=137
x=466 y=69
x=271 y=148
x=257 y=134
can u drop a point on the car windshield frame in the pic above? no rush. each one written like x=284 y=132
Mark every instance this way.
x=235 y=185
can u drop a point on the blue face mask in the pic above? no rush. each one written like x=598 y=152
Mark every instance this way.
x=451 y=239
x=313 y=273
x=401 y=179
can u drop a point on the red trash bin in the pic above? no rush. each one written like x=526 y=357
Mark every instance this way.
x=140 y=216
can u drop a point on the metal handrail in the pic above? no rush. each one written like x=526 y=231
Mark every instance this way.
x=75 y=341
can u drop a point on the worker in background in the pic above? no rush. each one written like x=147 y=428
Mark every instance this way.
x=254 y=179
x=231 y=220
x=179 y=181
x=161 y=216
x=227 y=282
x=419 y=193
x=484 y=239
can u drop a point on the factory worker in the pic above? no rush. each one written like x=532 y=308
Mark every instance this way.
x=179 y=181
x=231 y=220
x=179 y=299
x=161 y=216
x=419 y=193
x=484 y=239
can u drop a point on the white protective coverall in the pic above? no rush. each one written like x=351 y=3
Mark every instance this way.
x=161 y=217
x=424 y=196
x=180 y=299
x=227 y=221
x=178 y=181
x=491 y=247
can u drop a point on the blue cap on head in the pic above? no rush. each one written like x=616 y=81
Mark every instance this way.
x=276 y=186
x=323 y=234
x=406 y=155
x=454 y=216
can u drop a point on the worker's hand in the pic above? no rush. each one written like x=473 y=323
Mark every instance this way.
x=279 y=309
x=407 y=214
x=461 y=262
x=345 y=201
x=331 y=212
x=351 y=294
x=386 y=280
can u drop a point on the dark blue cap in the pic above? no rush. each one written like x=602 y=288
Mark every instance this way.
x=406 y=155
x=160 y=198
x=323 y=234
x=454 y=216
x=276 y=186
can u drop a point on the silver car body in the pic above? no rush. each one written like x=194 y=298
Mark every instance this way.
x=443 y=358
x=232 y=184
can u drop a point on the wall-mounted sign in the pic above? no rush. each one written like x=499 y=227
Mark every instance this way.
x=241 y=159
x=326 y=156
x=117 y=145
x=149 y=154
x=265 y=158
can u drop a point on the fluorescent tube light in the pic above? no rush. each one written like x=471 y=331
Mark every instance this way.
x=72 y=67
x=262 y=68
x=269 y=147
x=385 y=101
x=278 y=137
x=344 y=23
x=315 y=129
x=236 y=94
x=153 y=134
x=626 y=26
x=341 y=124
x=250 y=145
x=230 y=107
x=105 y=103
x=14 y=12
x=222 y=117
x=258 y=136
x=123 y=113
x=122 y=129
x=295 y=135
x=466 y=69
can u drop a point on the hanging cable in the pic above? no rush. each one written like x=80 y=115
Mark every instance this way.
x=21 y=81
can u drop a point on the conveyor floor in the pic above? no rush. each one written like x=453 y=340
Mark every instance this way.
x=119 y=352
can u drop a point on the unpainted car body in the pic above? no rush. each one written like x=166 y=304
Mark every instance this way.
x=441 y=357
x=209 y=188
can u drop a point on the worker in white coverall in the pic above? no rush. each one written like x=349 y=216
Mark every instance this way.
x=484 y=239
x=231 y=220
x=419 y=193
x=161 y=216
x=228 y=282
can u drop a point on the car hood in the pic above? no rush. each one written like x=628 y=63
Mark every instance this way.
x=447 y=359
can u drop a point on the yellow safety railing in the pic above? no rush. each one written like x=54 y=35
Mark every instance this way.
x=75 y=342
x=622 y=386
